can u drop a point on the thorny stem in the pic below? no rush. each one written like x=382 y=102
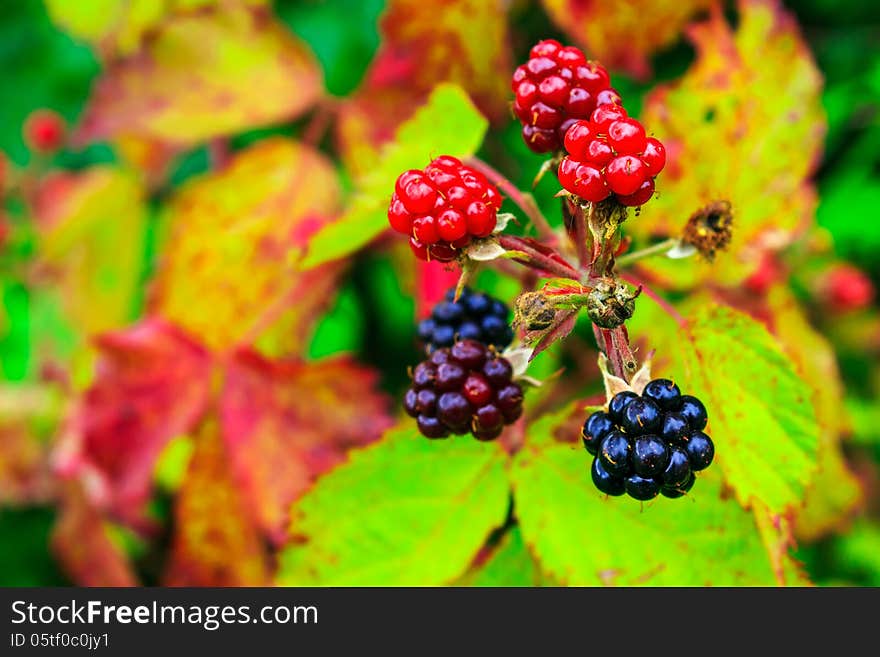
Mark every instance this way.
x=661 y=247
x=523 y=200
x=614 y=359
x=580 y=235
x=536 y=258
x=219 y=152
x=603 y=221
x=320 y=121
x=651 y=294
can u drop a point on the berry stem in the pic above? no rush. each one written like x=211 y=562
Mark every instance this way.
x=580 y=236
x=603 y=219
x=536 y=259
x=615 y=344
x=614 y=358
x=319 y=122
x=661 y=247
x=523 y=200
x=667 y=307
x=219 y=152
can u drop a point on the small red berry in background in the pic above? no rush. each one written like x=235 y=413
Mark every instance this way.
x=443 y=207
x=556 y=87
x=611 y=154
x=768 y=272
x=44 y=131
x=846 y=288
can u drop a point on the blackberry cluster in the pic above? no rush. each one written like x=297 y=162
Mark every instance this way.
x=442 y=207
x=648 y=444
x=610 y=154
x=475 y=316
x=465 y=388
x=553 y=89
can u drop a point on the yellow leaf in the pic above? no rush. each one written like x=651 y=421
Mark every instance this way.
x=744 y=124
x=235 y=237
x=622 y=35
x=202 y=76
x=91 y=235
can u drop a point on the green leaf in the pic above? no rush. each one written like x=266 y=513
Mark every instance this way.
x=447 y=124
x=858 y=554
x=761 y=414
x=404 y=512
x=509 y=564
x=864 y=415
x=584 y=538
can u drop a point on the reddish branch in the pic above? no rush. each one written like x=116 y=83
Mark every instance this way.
x=538 y=259
x=524 y=202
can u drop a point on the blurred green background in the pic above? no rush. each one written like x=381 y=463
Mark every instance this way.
x=43 y=67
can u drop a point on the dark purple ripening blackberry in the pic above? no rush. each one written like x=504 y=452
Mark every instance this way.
x=645 y=445
x=475 y=316
x=465 y=388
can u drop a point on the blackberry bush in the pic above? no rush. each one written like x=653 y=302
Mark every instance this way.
x=645 y=443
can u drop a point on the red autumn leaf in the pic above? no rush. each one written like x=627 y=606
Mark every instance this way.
x=215 y=542
x=82 y=543
x=286 y=422
x=152 y=383
x=424 y=44
x=623 y=35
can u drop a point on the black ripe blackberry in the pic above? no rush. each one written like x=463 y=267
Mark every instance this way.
x=597 y=426
x=465 y=388
x=475 y=316
x=645 y=445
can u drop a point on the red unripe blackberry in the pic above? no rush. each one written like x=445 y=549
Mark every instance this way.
x=443 y=207
x=555 y=86
x=610 y=154
x=654 y=156
x=464 y=388
x=625 y=174
x=584 y=180
x=44 y=131
x=627 y=136
x=640 y=196
x=605 y=115
x=845 y=288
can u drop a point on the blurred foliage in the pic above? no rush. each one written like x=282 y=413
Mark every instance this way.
x=175 y=374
